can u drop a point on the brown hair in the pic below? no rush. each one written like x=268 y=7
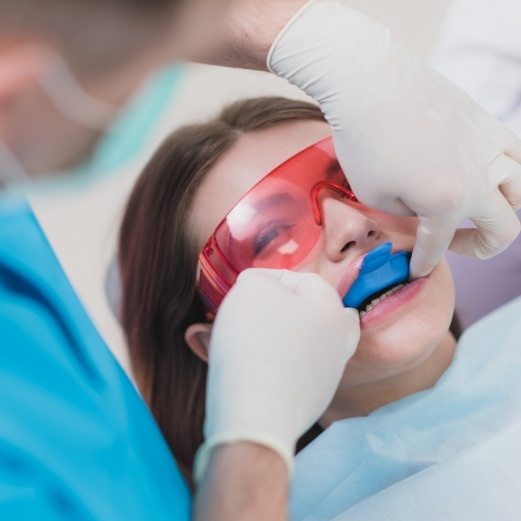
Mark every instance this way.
x=158 y=265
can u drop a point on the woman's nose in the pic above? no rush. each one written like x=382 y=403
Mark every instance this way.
x=347 y=229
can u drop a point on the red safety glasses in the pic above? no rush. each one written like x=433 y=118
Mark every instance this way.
x=275 y=225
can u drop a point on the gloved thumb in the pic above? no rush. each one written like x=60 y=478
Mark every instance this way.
x=496 y=227
x=309 y=285
x=303 y=284
x=433 y=237
x=352 y=319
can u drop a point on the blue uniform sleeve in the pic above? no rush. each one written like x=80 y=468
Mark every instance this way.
x=76 y=440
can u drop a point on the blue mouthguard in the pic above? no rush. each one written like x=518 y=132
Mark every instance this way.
x=380 y=269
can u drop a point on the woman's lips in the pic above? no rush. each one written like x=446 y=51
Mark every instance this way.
x=393 y=304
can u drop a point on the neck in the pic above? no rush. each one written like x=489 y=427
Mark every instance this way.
x=360 y=400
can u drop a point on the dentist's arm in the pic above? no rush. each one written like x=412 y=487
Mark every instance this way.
x=244 y=481
x=408 y=139
x=279 y=347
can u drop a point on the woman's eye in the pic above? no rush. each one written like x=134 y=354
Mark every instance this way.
x=268 y=235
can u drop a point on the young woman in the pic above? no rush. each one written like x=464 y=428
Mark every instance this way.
x=189 y=186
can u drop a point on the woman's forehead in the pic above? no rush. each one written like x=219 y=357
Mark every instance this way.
x=252 y=157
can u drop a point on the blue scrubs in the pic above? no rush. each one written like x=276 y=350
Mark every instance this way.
x=76 y=440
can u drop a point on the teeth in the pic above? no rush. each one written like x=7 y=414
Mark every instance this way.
x=375 y=301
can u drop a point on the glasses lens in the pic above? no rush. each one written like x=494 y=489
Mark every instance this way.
x=271 y=229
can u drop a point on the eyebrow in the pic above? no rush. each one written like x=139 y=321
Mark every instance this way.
x=274 y=200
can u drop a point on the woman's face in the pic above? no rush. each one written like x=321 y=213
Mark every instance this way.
x=399 y=333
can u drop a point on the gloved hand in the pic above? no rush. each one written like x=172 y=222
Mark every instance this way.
x=408 y=139
x=279 y=346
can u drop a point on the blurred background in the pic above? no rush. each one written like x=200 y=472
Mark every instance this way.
x=82 y=224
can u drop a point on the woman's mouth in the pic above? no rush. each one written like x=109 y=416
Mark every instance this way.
x=372 y=301
x=378 y=284
x=390 y=303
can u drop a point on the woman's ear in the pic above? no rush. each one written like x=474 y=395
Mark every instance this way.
x=197 y=336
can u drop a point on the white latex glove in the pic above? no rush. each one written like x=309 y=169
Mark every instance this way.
x=279 y=346
x=408 y=139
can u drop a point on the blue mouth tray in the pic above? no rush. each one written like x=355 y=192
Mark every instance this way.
x=380 y=269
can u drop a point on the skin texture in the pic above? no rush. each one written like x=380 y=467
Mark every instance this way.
x=247 y=35
x=405 y=351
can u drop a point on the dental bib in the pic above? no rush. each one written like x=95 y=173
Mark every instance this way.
x=375 y=466
x=380 y=270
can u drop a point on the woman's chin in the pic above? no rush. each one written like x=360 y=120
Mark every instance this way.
x=400 y=347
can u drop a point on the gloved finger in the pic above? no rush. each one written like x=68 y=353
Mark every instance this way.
x=262 y=274
x=433 y=236
x=351 y=323
x=513 y=143
x=494 y=231
x=302 y=283
x=508 y=171
x=353 y=328
x=290 y=280
x=310 y=286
